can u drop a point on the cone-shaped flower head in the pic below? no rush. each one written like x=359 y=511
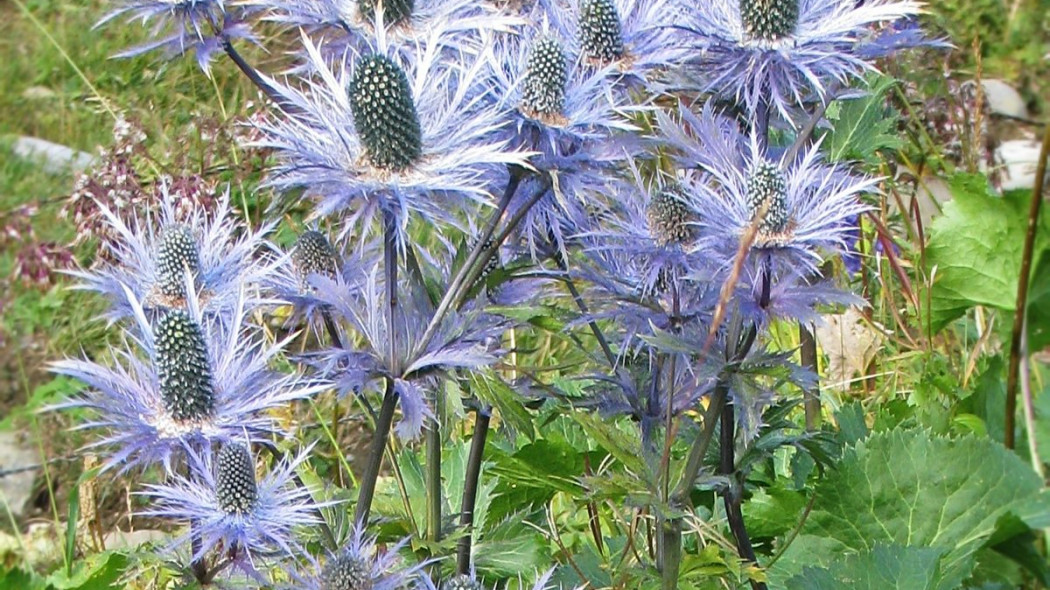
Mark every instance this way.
x=235 y=486
x=246 y=517
x=182 y=384
x=769 y=20
x=671 y=221
x=601 y=38
x=767 y=196
x=347 y=571
x=314 y=254
x=395 y=11
x=786 y=53
x=183 y=368
x=360 y=565
x=462 y=582
x=806 y=205
x=176 y=255
x=384 y=113
x=543 y=89
x=153 y=256
x=375 y=132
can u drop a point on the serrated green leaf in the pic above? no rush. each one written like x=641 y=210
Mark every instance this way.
x=100 y=571
x=975 y=250
x=864 y=125
x=913 y=489
x=885 y=567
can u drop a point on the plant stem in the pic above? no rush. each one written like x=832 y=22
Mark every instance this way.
x=670 y=547
x=1022 y=292
x=732 y=498
x=329 y=325
x=582 y=306
x=470 y=489
x=199 y=566
x=433 y=473
x=811 y=396
x=701 y=444
x=375 y=455
x=255 y=77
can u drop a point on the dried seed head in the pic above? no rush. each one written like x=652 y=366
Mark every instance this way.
x=543 y=91
x=600 y=35
x=769 y=20
x=183 y=368
x=235 y=485
x=671 y=221
x=385 y=114
x=177 y=252
x=314 y=254
x=461 y=582
x=767 y=184
x=394 y=11
x=347 y=572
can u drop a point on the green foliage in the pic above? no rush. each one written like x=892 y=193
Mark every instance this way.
x=863 y=126
x=884 y=567
x=974 y=254
x=909 y=489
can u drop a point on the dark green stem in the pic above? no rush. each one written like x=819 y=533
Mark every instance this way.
x=733 y=496
x=811 y=396
x=470 y=489
x=375 y=455
x=433 y=474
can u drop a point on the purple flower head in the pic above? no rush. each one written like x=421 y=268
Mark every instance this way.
x=181 y=26
x=182 y=383
x=376 y=133
x=464 y=339
x=406 y=23
x=362 y=565
x=785 y=51
x=234 y=511
x=152 y=258
x=634 y=38
x=805 y=205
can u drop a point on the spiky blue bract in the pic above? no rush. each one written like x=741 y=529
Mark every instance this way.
x=465 y=339
x=226 y=255
x=181 y=26
x=810 y=216
x=823 y=48
x=360 y=564
x=649 y=42
x=127 y=404
x=263 y=529
x=355 y=23
x=577 y=140
x=471 y=581
x=319 y=148
x=790 y=296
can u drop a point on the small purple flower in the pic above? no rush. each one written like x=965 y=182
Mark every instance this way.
x=233 y=512
x=183 y=383
x=149 y=260
x=425 y=142
x=806 y=204
x=786 y=52
x=181 y=26
x=464 y=339
x=360 y=564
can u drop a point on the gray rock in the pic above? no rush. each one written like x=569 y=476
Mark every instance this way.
x=19 y=463
x=1019 y=159
x=54 y=157
x=1003 y=99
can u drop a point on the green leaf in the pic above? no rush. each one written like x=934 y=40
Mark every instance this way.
x=885 y=567
x=863 y=126
x=912 y=489
x=975 y=250
x=511 y=549
x=100 y=571
x=23 y=580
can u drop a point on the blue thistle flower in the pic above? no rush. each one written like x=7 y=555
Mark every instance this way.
x=386 y=135
x=183 y=383
x=807 y=203
x=361 y=565
x=235 y=512
x=786 y=51
x=637 y=38
x=471 y=582
x=208 y=247
x=182 y=26
x=464 y=339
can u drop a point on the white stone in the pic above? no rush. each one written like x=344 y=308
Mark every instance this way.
x=55 y=158
x=38 y=93
x=16 y=483
x=1003 y=99
x=1019 y=161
